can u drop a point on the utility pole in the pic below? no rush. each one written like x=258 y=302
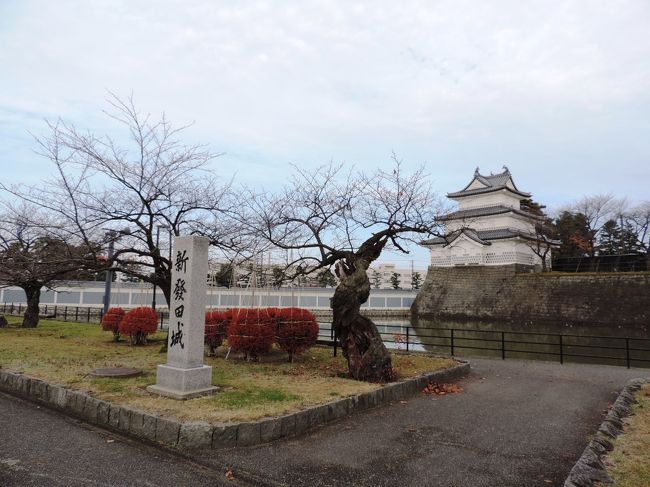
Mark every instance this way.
x=158 y=227
x=112 y=235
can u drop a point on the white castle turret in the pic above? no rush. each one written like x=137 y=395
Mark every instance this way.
x=489 y=227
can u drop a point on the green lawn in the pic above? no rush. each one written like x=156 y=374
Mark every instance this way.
x=65 y=353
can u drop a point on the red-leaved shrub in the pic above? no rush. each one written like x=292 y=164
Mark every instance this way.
x=215 y=329
x=138 y=323
x=296 y=330
x=111 y=321
x=250 y=332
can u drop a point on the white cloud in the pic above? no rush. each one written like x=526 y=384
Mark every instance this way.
x=556 y=89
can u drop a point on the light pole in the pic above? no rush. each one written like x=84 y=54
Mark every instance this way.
x=155 y=270
x=112 y=235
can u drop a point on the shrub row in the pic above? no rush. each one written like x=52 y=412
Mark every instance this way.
x=252 y=331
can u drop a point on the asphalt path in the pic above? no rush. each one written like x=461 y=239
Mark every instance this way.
x=41 y=447
x=515 y=424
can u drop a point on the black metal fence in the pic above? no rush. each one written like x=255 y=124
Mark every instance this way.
x=81 y=314
x=607 y=350
x=603 y=263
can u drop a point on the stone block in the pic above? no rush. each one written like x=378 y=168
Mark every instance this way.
x=76 y=401
x=137 y=422
x=302 y=422
x=89 y=412
x=288 y=425
x=125 y=419
x=149 y=426
x=317 y=415
x=6 y=379
x=179 y=383
x=22 y=385
x=270 y=429
x=38 y=390
x=114 y=414
x=103 y=410
x=195 y=435
x=248 y=434
x=340 y=408
x=167 y=430
x=224 y=436
x=58 y=396
x=609 y=429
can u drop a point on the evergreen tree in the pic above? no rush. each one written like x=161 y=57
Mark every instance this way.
x=416 y=280
x=394 y=280
x=325 y=278
x=376 y=279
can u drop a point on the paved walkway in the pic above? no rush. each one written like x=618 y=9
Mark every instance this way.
x=516 y=424
x=40 y=447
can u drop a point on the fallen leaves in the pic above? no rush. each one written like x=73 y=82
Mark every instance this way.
x=230 y=475
x=442 y=389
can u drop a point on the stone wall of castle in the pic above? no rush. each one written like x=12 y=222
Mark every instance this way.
x=513 y=293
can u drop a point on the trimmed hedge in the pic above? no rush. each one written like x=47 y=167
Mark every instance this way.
x=138 y=323
x=296 y=330
x=251 y=332
x=111 y=321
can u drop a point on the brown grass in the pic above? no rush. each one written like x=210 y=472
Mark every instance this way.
x=65 y=353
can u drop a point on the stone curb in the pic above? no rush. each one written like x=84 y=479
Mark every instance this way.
x=590 y=468
x=170 y=431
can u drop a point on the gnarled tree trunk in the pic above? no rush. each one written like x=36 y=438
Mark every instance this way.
x=367 y=356
x=31 y=317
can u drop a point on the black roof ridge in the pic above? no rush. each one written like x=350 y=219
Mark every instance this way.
x=488 y=211
x=489 y=185
x=507 y=232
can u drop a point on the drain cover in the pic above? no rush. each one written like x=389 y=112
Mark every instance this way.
x=116 y=372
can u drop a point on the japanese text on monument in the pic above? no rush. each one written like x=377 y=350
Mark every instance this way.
x=176 y=337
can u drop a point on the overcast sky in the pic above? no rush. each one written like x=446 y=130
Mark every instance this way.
x=557 y=90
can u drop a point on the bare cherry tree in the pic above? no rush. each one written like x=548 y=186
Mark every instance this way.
x=638 y=219
x=155 y=183
x=329 y=218
x=37 y=252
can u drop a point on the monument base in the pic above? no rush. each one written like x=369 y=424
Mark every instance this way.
x=181 y=384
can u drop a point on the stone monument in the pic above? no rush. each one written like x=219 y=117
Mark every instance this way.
x=184 y=376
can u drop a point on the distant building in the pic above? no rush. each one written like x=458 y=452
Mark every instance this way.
x=489 y=227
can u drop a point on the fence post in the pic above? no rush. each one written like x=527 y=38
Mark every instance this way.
x=627 y=352
x=407 y=338
x=160 y=313
x=65 y=314
x=503 y=345
x=20 y=307
x=76 y=313
x=561 y=351
x=335 y=340
x=88 y=318
x=452 y=342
